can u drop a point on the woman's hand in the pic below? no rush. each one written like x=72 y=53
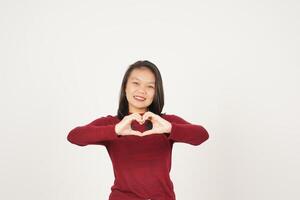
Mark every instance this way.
x=124 y=126
x=159 y=125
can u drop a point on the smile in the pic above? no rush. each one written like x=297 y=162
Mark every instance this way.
x=139 y=98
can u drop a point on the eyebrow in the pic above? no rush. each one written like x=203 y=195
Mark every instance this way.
x=153 y=82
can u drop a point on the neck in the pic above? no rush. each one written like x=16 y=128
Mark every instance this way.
x=140 y=112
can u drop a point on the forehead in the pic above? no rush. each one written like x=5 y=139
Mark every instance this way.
x=142 y=74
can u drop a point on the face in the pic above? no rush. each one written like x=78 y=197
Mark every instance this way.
x=140 y=90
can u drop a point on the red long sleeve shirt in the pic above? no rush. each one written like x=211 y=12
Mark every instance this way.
x=141 y=164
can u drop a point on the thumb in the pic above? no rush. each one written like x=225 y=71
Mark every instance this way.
x=137 y=133
x=148 y=132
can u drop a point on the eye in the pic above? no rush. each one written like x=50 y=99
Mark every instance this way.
x=135 y=83
x=150 y=86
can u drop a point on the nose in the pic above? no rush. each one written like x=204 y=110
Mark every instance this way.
x=142 y=92
x=142 y=89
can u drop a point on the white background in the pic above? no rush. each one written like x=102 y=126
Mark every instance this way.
x=231 y=66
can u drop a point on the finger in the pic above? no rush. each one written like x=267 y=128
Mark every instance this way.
x=149 y=132
x=137 y=117
x=137 y=133
x=148 y=115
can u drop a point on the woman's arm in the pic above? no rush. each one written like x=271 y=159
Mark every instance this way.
x=183 y=131
x=99 y=131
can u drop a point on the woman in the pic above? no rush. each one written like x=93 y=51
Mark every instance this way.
x=139 y=139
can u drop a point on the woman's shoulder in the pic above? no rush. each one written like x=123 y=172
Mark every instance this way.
x=112 y=117
x=105 y=119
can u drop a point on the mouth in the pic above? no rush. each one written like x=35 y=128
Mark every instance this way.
x=139 y=98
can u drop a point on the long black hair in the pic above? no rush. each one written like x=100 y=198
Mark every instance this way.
x=158 y=99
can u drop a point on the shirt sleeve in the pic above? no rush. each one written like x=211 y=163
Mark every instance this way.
x=99 y=131
x=183 y=131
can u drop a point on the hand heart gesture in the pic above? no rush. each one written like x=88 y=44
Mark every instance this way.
x=124 y=126
x=159 y=125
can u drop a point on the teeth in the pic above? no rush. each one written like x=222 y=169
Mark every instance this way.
x=139 y=98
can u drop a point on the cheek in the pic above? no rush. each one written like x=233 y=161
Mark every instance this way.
x=151 y=94
x=128 y=89
x=128 y=92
